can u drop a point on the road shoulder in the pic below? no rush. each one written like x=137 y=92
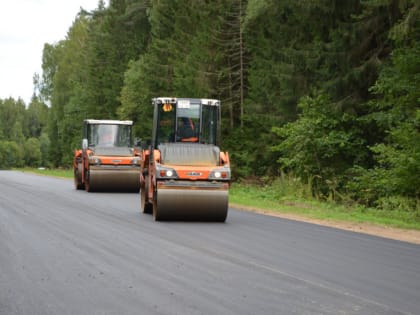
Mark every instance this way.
x=410 y=236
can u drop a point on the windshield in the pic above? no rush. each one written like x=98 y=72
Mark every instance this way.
x=188 y=122
x=110 y=135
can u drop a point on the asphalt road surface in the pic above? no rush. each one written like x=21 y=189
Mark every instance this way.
x=64 y=251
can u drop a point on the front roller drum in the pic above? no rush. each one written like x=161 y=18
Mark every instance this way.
x=191 y=205
x=117 y=180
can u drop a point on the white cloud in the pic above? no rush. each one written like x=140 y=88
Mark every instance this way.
x=25 y=26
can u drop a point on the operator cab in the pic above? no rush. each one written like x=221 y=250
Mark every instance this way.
x=186 y=120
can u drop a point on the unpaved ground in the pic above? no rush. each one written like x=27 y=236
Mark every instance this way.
x=411 y=236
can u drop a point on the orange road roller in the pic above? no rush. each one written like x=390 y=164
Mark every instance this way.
x=184 y=174
x=108 y=160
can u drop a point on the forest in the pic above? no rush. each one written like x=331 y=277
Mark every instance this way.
x=321 y=92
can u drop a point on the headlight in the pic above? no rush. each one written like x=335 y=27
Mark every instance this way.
x=165 y=173
x=220 y=174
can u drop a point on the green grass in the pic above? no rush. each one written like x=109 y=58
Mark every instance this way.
x=268 y=199
x=57 y=172
x=284 y=197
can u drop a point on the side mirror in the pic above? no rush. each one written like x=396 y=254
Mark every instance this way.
x=85 y=144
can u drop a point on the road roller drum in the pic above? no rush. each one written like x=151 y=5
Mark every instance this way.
x=114 y=179
x=190 y=203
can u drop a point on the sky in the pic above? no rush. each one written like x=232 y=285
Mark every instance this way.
x=25 y=26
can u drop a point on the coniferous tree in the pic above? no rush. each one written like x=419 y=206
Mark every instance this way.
x=396 y=112
x=117 y=35
x=64 y=78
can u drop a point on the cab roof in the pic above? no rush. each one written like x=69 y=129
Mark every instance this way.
x=108 y=122
x=173 y=100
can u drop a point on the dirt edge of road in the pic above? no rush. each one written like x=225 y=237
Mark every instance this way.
x=410 y=236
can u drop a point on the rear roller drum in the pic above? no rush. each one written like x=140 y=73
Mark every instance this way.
x=78 y=172
x=88 y=187
x=144 y=202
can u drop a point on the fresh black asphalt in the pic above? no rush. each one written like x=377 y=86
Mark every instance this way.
x=64 y=251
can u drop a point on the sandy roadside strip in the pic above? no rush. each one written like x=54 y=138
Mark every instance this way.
x=410 y=236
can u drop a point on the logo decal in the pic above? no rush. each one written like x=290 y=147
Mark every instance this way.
x=194 y=174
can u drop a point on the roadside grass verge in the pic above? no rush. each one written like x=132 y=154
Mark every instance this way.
x=286 y=197
x=56 y=172
x=270 y=198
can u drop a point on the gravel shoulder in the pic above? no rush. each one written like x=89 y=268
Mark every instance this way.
x=410 y=236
